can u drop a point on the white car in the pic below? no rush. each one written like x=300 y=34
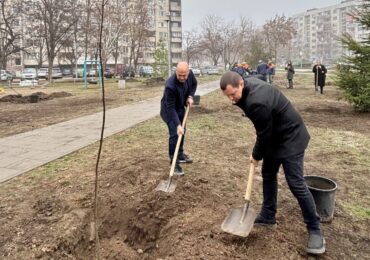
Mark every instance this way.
x=56 y=73
x=6 y=75
x=196 y=71
x=29 y=73
x=43 y=73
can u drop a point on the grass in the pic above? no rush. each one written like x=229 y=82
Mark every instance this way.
x=358 y=211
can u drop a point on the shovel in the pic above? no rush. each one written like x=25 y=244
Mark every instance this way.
x=240 y=221
x=170 y=184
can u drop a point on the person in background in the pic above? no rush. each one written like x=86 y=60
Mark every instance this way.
x=178 y=92
x=290 y=73
x=262 y=70
x=320 y=75
x=271 y=72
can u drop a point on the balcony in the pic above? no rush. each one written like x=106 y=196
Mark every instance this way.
x=175 y=7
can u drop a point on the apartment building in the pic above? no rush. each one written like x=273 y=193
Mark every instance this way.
x=319 y=31
x=165 y=26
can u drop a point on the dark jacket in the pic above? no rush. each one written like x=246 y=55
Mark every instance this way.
x=290 y=71
x=262 y=68
x=279 y=127
x=320 y=74
x=175 y=95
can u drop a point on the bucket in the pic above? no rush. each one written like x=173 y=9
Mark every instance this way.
x=196 y=99
x=323 y=192
x=34 y=98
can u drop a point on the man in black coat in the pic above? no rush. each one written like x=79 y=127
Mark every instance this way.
x=179 y=92
x=320 y=75
x=281 y=140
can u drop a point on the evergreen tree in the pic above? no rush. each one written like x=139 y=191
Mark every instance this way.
x=160 y=66
x=354 y=76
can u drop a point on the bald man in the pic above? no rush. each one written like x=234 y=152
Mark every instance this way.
x=178 y=93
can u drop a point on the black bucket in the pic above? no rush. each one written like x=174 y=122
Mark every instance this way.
x=323 y=192
x=34 y=98
x=196 y=99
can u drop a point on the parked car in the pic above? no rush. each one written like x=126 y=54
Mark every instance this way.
x=29 y=73
x=108 y=73
x=67 y=72
x=92 y=73
x=6 y=75
x=56 y=73
x=128 y=72
x=43 y=73
x=146 y=71
x=196 y=71
x=210 y=70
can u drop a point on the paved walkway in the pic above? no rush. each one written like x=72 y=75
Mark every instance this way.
x=26 y=151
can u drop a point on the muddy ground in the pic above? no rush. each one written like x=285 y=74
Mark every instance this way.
x=47 y=213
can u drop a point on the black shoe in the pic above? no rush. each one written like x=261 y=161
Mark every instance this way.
x=183 y=158
x=263 y=222
x=316 y=243
x=178 y=170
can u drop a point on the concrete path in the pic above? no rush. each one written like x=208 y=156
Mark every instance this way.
x=26 y=151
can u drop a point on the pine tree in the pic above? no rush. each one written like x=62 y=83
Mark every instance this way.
x=160 y=66
x=354 y=75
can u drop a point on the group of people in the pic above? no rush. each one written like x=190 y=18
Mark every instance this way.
x=318 y=69
x=265 y=71
x=282 y=138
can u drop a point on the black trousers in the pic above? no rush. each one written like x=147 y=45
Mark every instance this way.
x=293 y=169
x=172 y=136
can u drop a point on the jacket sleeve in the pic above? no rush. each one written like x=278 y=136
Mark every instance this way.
x=261 y=118
x=324 y=69
x=314 y=69
x=193 y=84
x=170 y=103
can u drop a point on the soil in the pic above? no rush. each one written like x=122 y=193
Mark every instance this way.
x=48 y=213
x=41 y=96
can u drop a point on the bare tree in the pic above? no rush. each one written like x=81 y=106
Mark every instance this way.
x=9 y=38
x=256 y=48
x=190 y=45
x=138 y=28
x=278 y=32
x=56 y=20
x=236 y=38
x=211 y=34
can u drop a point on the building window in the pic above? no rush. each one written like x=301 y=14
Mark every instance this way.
x=176 y=34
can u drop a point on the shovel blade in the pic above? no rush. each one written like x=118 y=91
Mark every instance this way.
x=238 y=225
x=167 y=186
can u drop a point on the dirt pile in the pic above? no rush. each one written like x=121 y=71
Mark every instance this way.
x=39 y=96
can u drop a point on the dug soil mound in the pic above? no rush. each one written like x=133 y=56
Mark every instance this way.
x=41 y=96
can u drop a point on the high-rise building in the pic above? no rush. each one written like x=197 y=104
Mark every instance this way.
x=319 y=32
x=165 y=25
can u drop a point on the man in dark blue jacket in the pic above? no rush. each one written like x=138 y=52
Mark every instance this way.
x=281 y=140
x=262 y=70
x=178 y=93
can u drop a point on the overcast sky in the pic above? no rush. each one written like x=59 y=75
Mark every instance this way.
x=193 y=11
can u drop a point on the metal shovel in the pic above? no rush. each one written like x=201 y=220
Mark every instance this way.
x=170 y=184
x=240 y=221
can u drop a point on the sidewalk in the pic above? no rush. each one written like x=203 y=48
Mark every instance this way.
x=26 y=151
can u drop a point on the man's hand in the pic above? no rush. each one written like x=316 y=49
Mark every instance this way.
x=255 y=162
x=190 y=101
x=180 y=130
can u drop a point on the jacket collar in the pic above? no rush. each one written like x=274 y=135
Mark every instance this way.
x=245 y=93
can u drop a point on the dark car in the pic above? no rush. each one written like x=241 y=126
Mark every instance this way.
x=108 y=73
x=128 y=72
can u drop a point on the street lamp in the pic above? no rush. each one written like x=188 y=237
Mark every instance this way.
x=168 y=20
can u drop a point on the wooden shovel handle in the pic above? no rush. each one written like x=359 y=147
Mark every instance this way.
x=174 y=159
x=250 y=181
